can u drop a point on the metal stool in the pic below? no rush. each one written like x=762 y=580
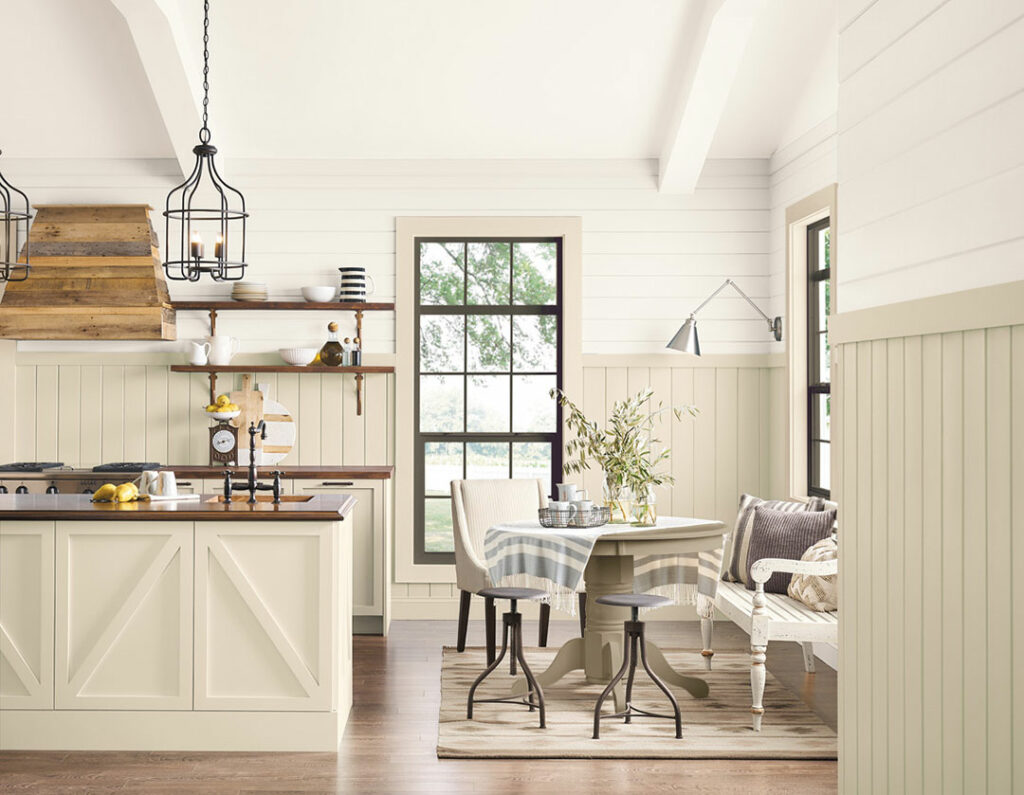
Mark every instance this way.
x=634 y=629
x=512 y=633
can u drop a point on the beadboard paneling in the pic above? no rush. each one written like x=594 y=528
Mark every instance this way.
x=931 y=484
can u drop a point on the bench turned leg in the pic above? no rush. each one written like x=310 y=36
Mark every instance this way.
x=706 y=627
x=757 y=676
x=808 y=657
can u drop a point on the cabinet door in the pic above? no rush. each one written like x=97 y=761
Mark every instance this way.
x=124 y=615
x=265 y=615
x=26 y=615
x=367 y=529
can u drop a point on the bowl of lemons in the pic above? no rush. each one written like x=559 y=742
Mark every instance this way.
x=223 y=409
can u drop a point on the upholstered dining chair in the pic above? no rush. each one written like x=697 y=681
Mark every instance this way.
x=476 y=505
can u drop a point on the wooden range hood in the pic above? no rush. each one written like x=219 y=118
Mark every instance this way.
x=96 y=275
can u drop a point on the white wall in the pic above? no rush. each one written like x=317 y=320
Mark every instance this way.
x=648 y=258
x=931 y=119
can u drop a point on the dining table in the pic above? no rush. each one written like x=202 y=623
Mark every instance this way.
x=681 y=555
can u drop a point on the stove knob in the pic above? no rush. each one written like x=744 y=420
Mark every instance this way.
x=87 y=491
x=52 y=489
x=3 y=489
x=21 y=490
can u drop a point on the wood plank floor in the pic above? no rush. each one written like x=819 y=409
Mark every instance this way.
x=390 y=740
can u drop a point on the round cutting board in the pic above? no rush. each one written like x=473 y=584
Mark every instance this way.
x=280 y=439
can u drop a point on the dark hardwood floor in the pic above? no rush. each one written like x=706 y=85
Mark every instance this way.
x=390 y=740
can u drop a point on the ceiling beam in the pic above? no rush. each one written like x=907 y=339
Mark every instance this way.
x=716 y=52
x=159 y=34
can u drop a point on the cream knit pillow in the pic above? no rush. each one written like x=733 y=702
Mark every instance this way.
x=818 y=593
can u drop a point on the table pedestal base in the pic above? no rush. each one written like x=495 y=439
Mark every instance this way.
x=599 y=652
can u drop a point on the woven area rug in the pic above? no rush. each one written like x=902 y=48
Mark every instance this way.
x=716 y=727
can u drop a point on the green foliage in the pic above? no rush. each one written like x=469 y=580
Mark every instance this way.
x=625 y=448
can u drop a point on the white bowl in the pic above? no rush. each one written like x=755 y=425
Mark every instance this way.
x=298 y=356
x=319 y=295
x=222 y=416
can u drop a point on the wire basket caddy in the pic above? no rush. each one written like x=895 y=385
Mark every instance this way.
x=592 y=517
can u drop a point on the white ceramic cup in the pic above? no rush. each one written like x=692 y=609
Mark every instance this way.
x=149 y=482
x=199 y=353
x=566 y=491
x=222 y=349
x=584 y=505
x=167 y=484
x=565 y=508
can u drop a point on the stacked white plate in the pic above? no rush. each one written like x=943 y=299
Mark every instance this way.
x=249 y=291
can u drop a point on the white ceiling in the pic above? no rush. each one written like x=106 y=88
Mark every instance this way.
x=406 y=78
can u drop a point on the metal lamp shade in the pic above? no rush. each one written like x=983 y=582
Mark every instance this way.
x=685 y=339
x=15 y=214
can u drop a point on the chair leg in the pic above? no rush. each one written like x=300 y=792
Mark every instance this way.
x=808 y=657
x=757 y=676
x=706 y=627
x=545 y=619
x=464 y=598
x=487 y=672
x=490 y=618
x=661 y=685
x=583 y=613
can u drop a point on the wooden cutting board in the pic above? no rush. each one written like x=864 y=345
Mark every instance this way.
x=250 y=401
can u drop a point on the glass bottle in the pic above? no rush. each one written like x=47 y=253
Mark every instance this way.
x=356 y=354
x=332 y=354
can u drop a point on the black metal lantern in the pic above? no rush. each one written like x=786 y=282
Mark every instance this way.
x=14 y=217
x=205 y=204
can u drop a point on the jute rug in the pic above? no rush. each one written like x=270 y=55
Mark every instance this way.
x=716 y=727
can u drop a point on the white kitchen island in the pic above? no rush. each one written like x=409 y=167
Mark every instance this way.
x=175 y=626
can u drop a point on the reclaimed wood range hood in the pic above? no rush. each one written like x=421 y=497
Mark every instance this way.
x=96 y=275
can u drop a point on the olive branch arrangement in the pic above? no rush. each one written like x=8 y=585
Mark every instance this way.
x=623 y=449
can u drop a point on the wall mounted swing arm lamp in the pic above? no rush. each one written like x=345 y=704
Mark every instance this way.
x=686 y=339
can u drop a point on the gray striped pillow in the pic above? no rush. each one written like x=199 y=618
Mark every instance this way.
x=784 y=534
x=738 y=544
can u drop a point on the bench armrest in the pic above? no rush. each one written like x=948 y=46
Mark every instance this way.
x=762 y=570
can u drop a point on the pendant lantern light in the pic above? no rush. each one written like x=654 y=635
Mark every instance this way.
x=14 y=217
x=204 y=204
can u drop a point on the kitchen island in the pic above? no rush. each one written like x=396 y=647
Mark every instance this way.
x=198 y=625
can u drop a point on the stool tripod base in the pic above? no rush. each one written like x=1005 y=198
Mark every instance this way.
x=512 y=636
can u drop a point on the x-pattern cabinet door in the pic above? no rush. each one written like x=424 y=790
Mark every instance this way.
x=26 y=615
x=124 y=615
x=265 y=616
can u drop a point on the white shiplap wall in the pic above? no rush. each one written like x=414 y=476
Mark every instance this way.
x=931 y=116
x=648 y=258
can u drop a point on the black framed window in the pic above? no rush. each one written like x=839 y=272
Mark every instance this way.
x=489 y=350
x=819 y=399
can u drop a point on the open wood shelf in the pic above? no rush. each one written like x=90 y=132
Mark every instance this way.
x=278 y=368
x=225 y=306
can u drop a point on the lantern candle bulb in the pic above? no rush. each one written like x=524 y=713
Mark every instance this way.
x=196 y=248
x=218 y=247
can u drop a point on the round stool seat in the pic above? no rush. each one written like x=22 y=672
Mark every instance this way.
x=634 y=600
x=513 y=593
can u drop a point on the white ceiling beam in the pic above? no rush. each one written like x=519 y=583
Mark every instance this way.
x=716 y=52
x=160 y=40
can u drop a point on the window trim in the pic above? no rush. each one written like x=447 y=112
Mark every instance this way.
x=420 y=555
x=814 y=274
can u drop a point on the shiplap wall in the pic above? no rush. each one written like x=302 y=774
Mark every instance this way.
x=929 y=473
x=735 y=444
x=648 y=258
x=95 y=408
x=931 y=116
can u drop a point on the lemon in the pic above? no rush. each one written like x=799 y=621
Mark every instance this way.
x=104 y=493
x=223 y=400
x=213 y=407
x=231 y=407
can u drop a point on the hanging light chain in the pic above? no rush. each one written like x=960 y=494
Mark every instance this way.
x=204 y=132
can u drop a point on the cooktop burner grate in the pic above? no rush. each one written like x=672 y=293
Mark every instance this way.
x=126 y=466
x=30 y=466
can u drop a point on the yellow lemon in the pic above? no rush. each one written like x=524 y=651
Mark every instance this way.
x=213 y=407
x=231 y=407
x=223 y=400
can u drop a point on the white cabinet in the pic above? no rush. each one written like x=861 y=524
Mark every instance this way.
x=26 y=615
x=265 y=613
x=371 y=548
x=123 y=617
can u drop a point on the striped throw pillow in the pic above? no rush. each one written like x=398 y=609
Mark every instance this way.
x=783 y=534
x=739 y=542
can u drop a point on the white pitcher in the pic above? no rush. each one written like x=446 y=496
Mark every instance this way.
x=199 y=353
x=222 y=349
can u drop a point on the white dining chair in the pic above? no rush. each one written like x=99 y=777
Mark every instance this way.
x=477 y=505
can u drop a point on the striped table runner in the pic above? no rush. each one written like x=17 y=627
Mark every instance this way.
x=525 y=554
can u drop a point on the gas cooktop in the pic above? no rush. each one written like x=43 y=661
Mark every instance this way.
x=30 y=466
x=126 y=466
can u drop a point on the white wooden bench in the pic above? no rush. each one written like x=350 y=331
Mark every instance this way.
x=769 y=616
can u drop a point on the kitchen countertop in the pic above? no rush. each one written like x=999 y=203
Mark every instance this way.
x=287 y=471
x=79 y=507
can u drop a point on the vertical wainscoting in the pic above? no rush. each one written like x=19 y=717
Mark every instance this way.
x=736 y=442
x=90 y=409
x=929 y=473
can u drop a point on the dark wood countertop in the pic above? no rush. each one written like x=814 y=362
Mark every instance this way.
x=209 y=507
x=289 y=472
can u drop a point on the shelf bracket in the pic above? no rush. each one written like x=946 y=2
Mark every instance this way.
x=359 y=329
x=359 y=394
x=213 y=322
x=213 y=388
